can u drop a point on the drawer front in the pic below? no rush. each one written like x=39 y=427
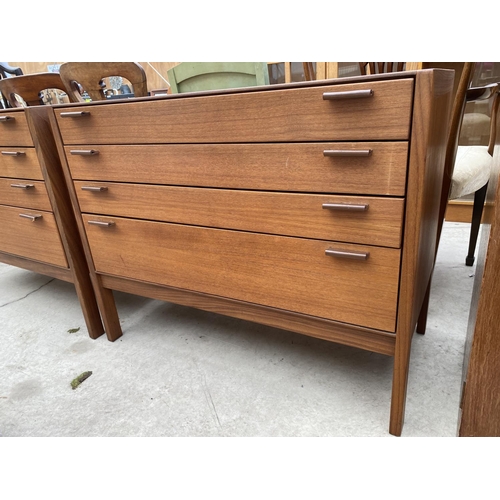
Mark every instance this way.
x=288 y=273
x=367 y=220
x=18 y=162
x=14 y=129
x=22 y=193
x=35 y=239
x=376 y=167
x=286 y=115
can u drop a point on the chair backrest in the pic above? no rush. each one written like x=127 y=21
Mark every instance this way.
x=373 y=68
x=6 y=70
x=194 y=76
x=89 y=77
x=29 y=88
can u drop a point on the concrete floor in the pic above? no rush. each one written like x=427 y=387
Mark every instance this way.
x=181 y=372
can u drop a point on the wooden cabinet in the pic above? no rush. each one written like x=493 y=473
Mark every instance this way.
x=310 y=207
x=479 y=414
x=37 y=225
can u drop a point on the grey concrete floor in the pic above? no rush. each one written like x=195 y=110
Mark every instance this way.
x=181 y=372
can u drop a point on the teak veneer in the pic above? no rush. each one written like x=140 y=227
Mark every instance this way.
x=311 y=207
x=38 y=231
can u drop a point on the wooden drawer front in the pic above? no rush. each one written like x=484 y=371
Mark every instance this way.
x=14 y=129
x=372 y=221
x=287 y=273
x=19 y=163
x=38 y=240
x=22 y=193
x=300 y=114
x=280 y=167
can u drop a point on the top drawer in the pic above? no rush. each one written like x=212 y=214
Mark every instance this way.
x=283 y=115
x=14 y=129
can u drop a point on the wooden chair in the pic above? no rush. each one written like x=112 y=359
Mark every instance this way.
x=373 y=68
x=29 y=88
x=79 y=77
x=7 y=71
x=195 y=76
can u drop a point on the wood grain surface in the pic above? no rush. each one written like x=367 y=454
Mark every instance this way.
x=34 y=195
x=287 y=273
x=281 y=115
x=276 y=167
x=289 y=214
x=38 y=240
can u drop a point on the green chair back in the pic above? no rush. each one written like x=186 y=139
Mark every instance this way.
x=195 y=76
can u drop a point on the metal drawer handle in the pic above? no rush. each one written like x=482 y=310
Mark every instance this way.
x=74 y=114
x=94 y=188
x=349 y=94
x=347 y=152
x=6 y=118
x=100 y=223
x=351 y=207
x=33 y=218
x=22 y=186
x=84 y=152
x=13 y=153
x=347 y=255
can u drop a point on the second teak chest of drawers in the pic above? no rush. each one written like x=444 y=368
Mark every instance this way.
x=37 y=224
x=309 y=207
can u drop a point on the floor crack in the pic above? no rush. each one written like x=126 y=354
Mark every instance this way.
x=27 y=295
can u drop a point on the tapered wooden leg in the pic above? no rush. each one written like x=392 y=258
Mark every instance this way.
x=400 y=382
x=422 y=318
x=107 y=306
x=477 y=213
x=89 y=306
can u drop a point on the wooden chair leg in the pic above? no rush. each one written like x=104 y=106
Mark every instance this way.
x=477 y=213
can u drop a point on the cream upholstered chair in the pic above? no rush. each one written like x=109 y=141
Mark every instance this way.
x=472 y=167
x=89 y=77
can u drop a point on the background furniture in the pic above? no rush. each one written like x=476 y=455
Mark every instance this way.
x=30 y=88
x=467 y=167
x=480 y=405
x=195 y=76
x=7 y=71
x=79 y=77
x=312 y=207
x=472 y=167
x=38 y=231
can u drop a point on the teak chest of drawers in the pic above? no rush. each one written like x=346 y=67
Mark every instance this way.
x=309 y=207
x=37 y=224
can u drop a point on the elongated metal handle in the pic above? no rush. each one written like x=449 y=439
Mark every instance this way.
x=74 y=114
x=22 y=186
x=348 y=94
x=33 y=218
x=84 y=152
x=6 y=118
x=94 y=188
x=100 y=223
x=347 y=255
x=347 y=152
x=351 y=207
x=13 y=153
